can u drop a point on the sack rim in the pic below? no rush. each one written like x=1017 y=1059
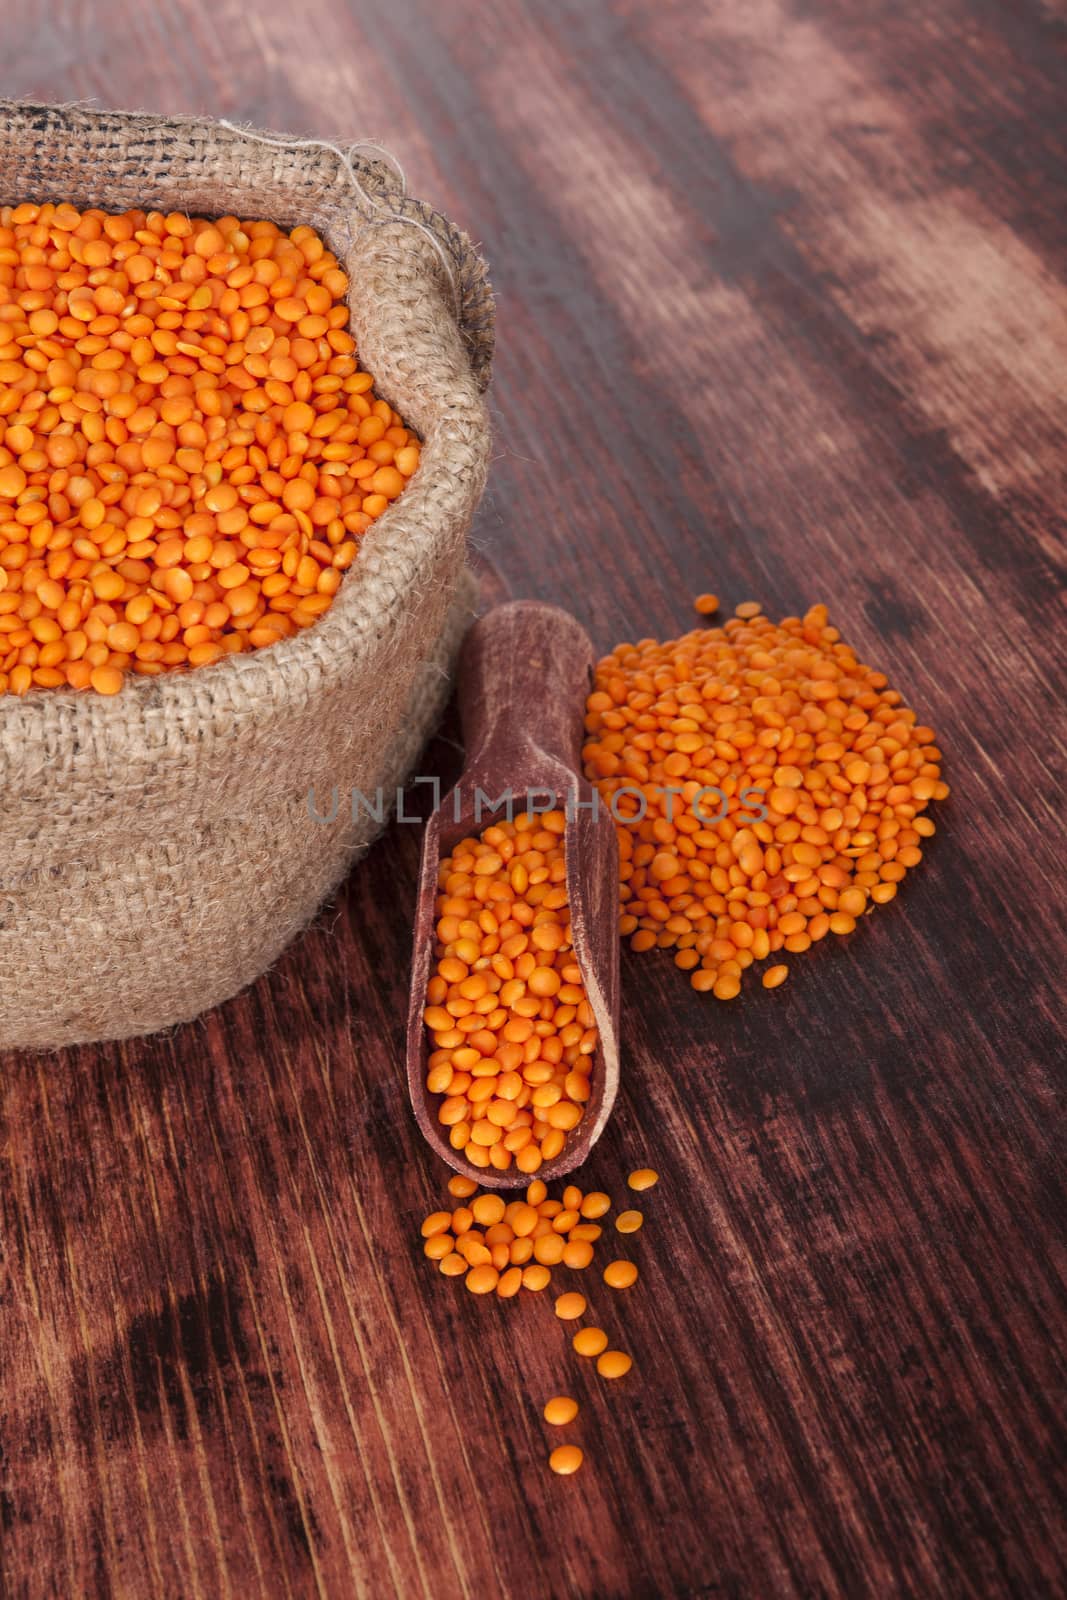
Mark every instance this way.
x=397 y=553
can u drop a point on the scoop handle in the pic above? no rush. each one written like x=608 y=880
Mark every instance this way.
x=524 y=673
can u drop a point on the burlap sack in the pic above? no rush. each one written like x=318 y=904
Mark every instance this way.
x=156 y=848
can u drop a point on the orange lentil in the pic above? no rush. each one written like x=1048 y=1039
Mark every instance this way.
x=482 y=1279
x=566 y=1459
x=549 y=1249
x=759 y=775
x=462 y=1187
x=560 y=1410
x=590 y=1341
x=595 y=1204
x=436 y=1222
x=536 y=1277
x=628 y=1221
x=643 y=1178
x=163 y=405
x=512 y=1044
x=487 y=1209
x=614 y=1364
x=577 y=1254
x=706 y=604
x=620 y=1274
x=569 y=1306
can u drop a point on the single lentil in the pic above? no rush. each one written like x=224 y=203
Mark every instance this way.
x=614 y=1364
x=842 y=768
x=577 y=1254
x=560 y=1410
x=482 y=1279
x=487 y=1209
x=643 y=1178
x=590 y=1341
x=628 y=1221
x=567 y=1458
x=620 y=1274
x=436 y=1222
x=189 y=453
x=774 y=977
x=570 y=1306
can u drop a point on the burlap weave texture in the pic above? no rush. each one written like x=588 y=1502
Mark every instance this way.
x=156 y=848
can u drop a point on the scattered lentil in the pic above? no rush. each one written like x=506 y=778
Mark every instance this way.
x=614 y=1364
x=774 y=977
x=620 y=1274
x=560 y=1410
x=567 y=1458
x=487 y=1209
x=590 y=1341
x=436 y=1222
x=844 y=770
x=643 y=1178
x=482 y=1279
x=570 y=1306
x=577 y=1253
x=510 y=1283
x=628 y=1221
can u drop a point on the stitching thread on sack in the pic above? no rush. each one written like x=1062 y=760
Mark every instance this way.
x=372 y=202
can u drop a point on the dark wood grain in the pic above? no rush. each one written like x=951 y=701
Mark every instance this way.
x=783 y=315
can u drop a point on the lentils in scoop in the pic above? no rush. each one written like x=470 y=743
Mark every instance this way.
x=824 y=776
x=512 y=1032
x=189 y=451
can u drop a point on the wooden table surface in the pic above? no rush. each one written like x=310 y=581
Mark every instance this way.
x=781 y=314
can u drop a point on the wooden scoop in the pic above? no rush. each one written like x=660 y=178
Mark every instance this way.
x=524 y=673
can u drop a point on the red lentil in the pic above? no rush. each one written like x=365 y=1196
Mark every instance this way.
x=511 y=1029
x=614 y=1364
x=620 y=1274
x=844 y=769
x=590 y=1341
x=189 y=453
